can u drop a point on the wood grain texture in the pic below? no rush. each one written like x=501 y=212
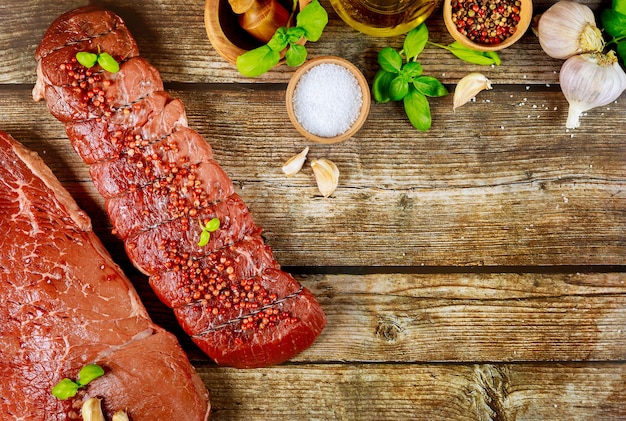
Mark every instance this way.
x=473 y=272
x=518 y=190
x=489 y=392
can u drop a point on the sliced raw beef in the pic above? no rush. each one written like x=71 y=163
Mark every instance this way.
x=148 y=120
x=161 y=183
x=67 y=304
x=182 y=149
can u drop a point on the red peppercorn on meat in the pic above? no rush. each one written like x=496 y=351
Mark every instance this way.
x=162 y=186
x=67 y=304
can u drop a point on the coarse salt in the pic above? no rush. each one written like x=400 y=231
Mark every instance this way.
x=327 y=100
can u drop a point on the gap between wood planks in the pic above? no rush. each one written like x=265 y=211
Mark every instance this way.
x=370 y=270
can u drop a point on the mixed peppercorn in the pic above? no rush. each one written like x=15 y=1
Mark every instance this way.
x=486 y=22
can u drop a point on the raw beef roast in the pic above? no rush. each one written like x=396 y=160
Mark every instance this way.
x=162 y=185
x=67 y=304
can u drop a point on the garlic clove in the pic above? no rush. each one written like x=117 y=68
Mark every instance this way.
x=468 y=87
x=120 y=416
x=568 y=28
x=92 y=410
x=589 y=81
x=295 y=163
x=326 y=175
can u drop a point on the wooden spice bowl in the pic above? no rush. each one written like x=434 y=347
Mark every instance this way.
x=526 y=15
x=227 y=37
x=365 y=95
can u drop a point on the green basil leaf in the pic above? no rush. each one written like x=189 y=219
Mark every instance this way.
x=619 y=6
x=213 y=225
x=494 y=56
x=279 y=40
x=470 y=56
x=295 y=55
x=411 y=69
x=398 y=88
x=87 y=59
x=390 y=60
x=313 y=19
x=65 y=389
x=380 y=86
x=205 y=236
x=108 y=63
x=88 y=373
x=417 y=110
x=255 y=62
x=430 y=86
x=294 y=34
x=614 y=23
x=415 y=41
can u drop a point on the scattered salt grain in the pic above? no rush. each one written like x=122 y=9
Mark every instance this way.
x=327 y=100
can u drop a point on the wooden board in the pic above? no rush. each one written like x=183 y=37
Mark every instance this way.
x=475 y=271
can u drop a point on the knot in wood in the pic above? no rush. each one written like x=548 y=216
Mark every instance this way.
x=388 y=329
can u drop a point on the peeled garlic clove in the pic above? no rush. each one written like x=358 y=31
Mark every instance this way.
x=468 y=87
x=326 y=175
x=568 y=28
x=589 y=81
x=295 y=163
x=120 y=416
x=91 y=410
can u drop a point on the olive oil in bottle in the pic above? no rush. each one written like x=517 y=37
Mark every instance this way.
x=384 y=18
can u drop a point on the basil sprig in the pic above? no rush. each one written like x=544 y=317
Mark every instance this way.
x=67 y=388
x=104 y=59
x=614 y=24
x=310 y=22
x=205 y=234
x=400 y=79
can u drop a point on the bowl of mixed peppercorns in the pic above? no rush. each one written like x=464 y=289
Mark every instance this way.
x=487 y=25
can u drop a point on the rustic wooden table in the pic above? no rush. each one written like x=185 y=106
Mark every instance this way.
x=472 y=272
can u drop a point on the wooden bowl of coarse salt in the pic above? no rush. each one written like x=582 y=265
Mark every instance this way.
x=328 y=99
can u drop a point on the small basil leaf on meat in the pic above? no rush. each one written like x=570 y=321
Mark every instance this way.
x=88 y=373
x=87 y=59
x=65 y=389
x=108 y=63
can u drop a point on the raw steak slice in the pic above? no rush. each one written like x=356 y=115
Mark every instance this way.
x=148 y=120
x=98 y=95
x=151 y=249
x=54 y=67
x=252 y=294
x=189 y=280
x=262 y=343
x=230 y=295
x=169 y=198
x=141 y=165
x=67 y=304
x=77 y=25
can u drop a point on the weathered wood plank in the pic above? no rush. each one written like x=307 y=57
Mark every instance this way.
x=518 y=189
x=171 y=35
x=453 y=317
x=419 y=392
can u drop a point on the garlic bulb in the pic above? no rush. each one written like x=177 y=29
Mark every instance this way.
x=589 y=81
x=568 y=28
x=468 y=87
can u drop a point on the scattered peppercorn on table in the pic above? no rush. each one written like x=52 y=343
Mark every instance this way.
x=474 y=271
